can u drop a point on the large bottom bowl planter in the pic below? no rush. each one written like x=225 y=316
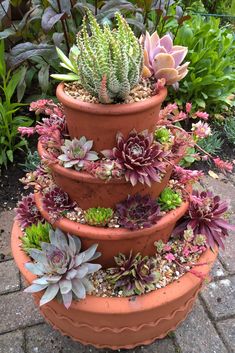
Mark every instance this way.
x=121 y=322
x=113 y=241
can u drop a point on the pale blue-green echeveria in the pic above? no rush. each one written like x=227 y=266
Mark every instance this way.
x=62 y=268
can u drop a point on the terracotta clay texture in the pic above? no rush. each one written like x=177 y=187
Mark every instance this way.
x=101 y=122
x=112 y=241
x=89 y=191
x=121 y=322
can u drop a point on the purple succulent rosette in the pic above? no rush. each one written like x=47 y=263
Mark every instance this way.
x=162 y=59
x=205 y=217
x=138 y=212
x=56 y=201
x=27 y=212
x=76 y=152
x=140 y=157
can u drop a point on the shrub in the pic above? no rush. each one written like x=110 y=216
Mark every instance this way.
x=211 y=53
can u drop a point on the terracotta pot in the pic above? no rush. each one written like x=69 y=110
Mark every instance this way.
x=100 y=122
x=89 y=191
x=121 y=322
x=112 y=241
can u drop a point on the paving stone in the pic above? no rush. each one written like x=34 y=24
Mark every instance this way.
x=12 y=342
x=6 y=221
x=227 y=257
x=165 y=345
x=9 y=277
x=227 y=330
x=220 y=298
x=218 y=270
x=221 y=187
x=43 y=339
x=17 y=311
x=197 y=334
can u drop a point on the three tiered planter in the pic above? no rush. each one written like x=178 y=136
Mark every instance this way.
x=121 y=322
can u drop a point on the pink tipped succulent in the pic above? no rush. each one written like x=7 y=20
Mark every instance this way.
x=162 y=59
x=140 y=157
x=205 y=216
x=138 y=212
x=56 y=201
x=76 y=152
x=27 y=212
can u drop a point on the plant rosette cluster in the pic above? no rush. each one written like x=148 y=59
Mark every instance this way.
x=66 y=273
x=109 y=64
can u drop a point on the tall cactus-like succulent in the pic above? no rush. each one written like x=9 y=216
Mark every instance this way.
x=109 y=62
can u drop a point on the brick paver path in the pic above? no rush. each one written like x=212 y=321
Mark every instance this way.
x=210 y=328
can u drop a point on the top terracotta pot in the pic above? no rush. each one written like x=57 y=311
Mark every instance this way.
x=100 y=122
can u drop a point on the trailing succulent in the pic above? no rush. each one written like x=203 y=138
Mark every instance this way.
x=134 y=274
x=205 y=217
x=109 y=63
x=138 y=212
x=169 y=199
x=34 y=235
x=162 y=135
x=76 y=152
x=140 y=156
x=98 y=216
x=62 y=268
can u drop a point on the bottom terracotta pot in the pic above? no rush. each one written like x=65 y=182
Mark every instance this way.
x=121 y=322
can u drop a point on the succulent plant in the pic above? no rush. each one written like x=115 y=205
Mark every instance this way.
x=169 y=199
x=134 y=274
x=205 y=218
x=75 y=152
x=34 y=235
x=138 y=212
x=162 y=135
x=27 y=212
x=62 y=268
x=140 y=156
x=109 y=62
x=162 y=59
x=56 y=201
x=98 y=216
x=105 y=169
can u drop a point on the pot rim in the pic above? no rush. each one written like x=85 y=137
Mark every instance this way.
x=109 y=109
x=116 y=234
x=124 y=305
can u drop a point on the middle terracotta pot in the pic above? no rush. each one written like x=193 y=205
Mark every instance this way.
x=89 y=191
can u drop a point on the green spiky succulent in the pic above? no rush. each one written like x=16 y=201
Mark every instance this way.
x=98 y=216
x=34 y=235
x=134 y=274
x=162 y=135
x=169 y=199
x=109 y=62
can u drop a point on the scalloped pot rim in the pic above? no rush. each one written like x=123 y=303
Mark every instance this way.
x=109 y=109
x=123 y=305
x=108 y=233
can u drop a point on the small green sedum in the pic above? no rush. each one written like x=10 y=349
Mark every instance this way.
x=169 y=199
x=108 y=62
x=98 y=216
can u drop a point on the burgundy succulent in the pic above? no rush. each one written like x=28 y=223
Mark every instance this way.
x=134 y=274
x=205 y=217
x=140 y=157
x=27 y=212
x=138 y=212
x=56 y=201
